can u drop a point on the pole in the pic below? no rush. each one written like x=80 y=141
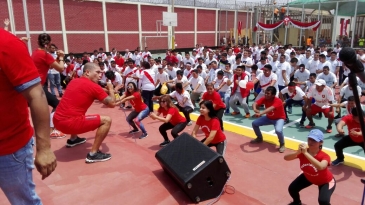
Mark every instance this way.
x=43 y=19
x=354 y=23
x=286 y=27
x=246 y=30
x=317 y=32
x=172 y=27
x=225 y=35
x=27 y=24
x=272 y=21
x=335 y=26
x=235 y=24
x=301 y=30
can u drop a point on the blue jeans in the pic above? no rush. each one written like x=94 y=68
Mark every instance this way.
x=136 y=118
x=147 y=98
x=227 y=98
x=16 y=178
x=55 y=81
x=278 y=124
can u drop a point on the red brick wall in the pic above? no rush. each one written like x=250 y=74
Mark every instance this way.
x=18 y=15
x=122 y=17
x=123 y=41
x=52 y=15
x=34 y=16
x=150 y=14
x=241 y=16
x=207 y=39
x=185 y=19
x=206 y=20
x=184 y=40
x=78 y=43
x=83 y=16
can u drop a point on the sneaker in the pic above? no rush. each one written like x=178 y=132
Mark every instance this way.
x=247 y=115
x=98 y=157
x=190 y=123
x=164 y=143
x=235 y=113
x=122 y=105
x=336 y=162
x=329 y=129
x=310 y=126
x=290 y=110
x=301 y=125
x=144 y=135
x=128 y=107
x=133 y=131
x=339 y=135
x=57 y=134
x=75 y=142
x=286 y=121
x=256 y=141
x=282 y=148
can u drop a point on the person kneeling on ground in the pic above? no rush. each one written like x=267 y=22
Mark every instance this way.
x=275 y=115
x=314 y=164
x=354 y=137
x=171 y=118
x=70 y=115
x=210 y=125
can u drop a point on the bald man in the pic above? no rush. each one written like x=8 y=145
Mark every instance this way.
x=71 y=118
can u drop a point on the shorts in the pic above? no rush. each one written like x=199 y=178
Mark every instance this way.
x=315 y=109
x=77 y=125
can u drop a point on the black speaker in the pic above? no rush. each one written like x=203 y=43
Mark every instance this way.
x=197 y=169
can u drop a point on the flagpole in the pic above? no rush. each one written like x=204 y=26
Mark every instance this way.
x=286 y=27
x=354 y=23
x=334 y=26
x=317 y=32
x=301 y=30
x=246 y=30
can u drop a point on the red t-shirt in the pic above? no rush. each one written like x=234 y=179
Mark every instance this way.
x=315 y=176
x=70 y=68
x=42 y=61
x=216 y=99
x=208 y=126
x=278 y=112
x=119 y=61
x=176 y=118
x=137 y=102
x=16 y=68
x=353 y=125
x=79 y=96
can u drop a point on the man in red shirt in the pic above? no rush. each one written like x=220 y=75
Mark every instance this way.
x=275 y=115
x=119 y=60
x=71 y=118
x=354 y=137
x=19 y=87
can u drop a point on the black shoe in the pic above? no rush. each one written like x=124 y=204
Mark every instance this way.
x=164 y=143
x=133 y=131
x=286 y=121
x=301 y=125
x=256 y=141
x=75 y=142
x=128 y=107
x=144 y=135
x=295 y=203
x=98 y=157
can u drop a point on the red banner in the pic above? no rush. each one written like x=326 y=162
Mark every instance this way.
x=239 y=28
x=310 y=25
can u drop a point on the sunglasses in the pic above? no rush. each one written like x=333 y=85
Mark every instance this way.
x=130 y=87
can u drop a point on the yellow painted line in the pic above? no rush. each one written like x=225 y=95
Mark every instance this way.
x=350 y=160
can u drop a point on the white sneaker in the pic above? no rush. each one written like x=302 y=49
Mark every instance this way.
x=57 y=134
x=190 y=123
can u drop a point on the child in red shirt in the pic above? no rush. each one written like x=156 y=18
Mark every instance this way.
x=209 y=124
x=171 y=118
x=140 y=111
x=314 y=165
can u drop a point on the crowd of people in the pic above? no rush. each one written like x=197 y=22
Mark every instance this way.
x=207 y=80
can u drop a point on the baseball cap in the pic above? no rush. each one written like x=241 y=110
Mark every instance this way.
x=320 y=82
x=316 y=135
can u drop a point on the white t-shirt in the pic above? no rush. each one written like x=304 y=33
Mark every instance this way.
x=321 y=65
x=322 y=98
x=334 y=65
x=312 y=66
x=219 y=82
x=287 y=57
x=162 y=77
x=118 y=79
x=171 y=73
x=145 y=55
x=247 y=61
x=208 y=61
x=308 y=85
x=298 y=93
x=128 y=73
x=188 y=73
x=304 y=60
x=274 y=65
x=180 y=98
x=194 y=82
x=281 y=67
x=302 y=76
x=203 y=74
x=260 y=65
x=266 y=81
x=359 y=82
x=190 y=60
x=330 y=78
x=183 y=80
x=144 y=82
x=345 y=92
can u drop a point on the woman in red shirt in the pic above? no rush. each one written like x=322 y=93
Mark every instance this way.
x=218 y=104
x=314 y=165
x=171 y=118
x=43 y=60
x=210 y=125
x=140 y=111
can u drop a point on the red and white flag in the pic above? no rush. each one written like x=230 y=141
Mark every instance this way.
x=239 y=28
x=346 y=23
